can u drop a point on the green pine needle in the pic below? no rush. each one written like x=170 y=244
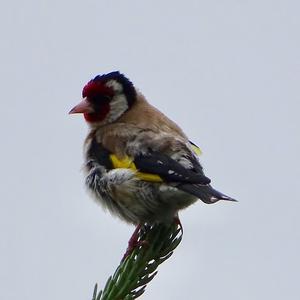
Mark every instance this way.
x=156 y=244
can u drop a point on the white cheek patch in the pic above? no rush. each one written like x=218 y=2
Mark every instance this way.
x=116 y=86
x=118 y=106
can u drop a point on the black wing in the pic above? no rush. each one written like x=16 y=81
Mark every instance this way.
x=170 y=170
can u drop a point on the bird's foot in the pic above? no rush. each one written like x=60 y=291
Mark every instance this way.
x=134 y=242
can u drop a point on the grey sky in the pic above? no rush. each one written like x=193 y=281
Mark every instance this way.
x=227 y=71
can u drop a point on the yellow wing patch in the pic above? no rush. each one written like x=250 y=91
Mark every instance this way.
x=196 y=149
x=124 y=163
x=127 y=163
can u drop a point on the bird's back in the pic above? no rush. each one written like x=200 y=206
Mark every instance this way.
x=140 y=128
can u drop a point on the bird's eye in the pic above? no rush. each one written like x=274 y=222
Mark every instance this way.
x=100 y=101
x=101 y=98
x=106 y=98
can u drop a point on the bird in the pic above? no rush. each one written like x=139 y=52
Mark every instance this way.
x=139 y=164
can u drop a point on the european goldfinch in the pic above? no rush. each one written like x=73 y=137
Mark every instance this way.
x=139 y=164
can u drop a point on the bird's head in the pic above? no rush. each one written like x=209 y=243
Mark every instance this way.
x=106 y=98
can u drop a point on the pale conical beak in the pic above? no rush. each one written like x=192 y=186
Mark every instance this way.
x=83 y=107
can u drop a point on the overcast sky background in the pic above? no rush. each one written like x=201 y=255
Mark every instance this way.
x=227 y=71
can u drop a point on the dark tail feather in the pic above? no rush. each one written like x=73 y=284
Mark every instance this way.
x=205 y=193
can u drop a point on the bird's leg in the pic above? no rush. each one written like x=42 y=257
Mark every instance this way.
x=133 y=242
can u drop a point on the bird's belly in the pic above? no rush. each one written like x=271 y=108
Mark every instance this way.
x=137 y=201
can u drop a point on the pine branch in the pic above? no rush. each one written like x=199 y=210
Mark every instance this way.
x=155 y=244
